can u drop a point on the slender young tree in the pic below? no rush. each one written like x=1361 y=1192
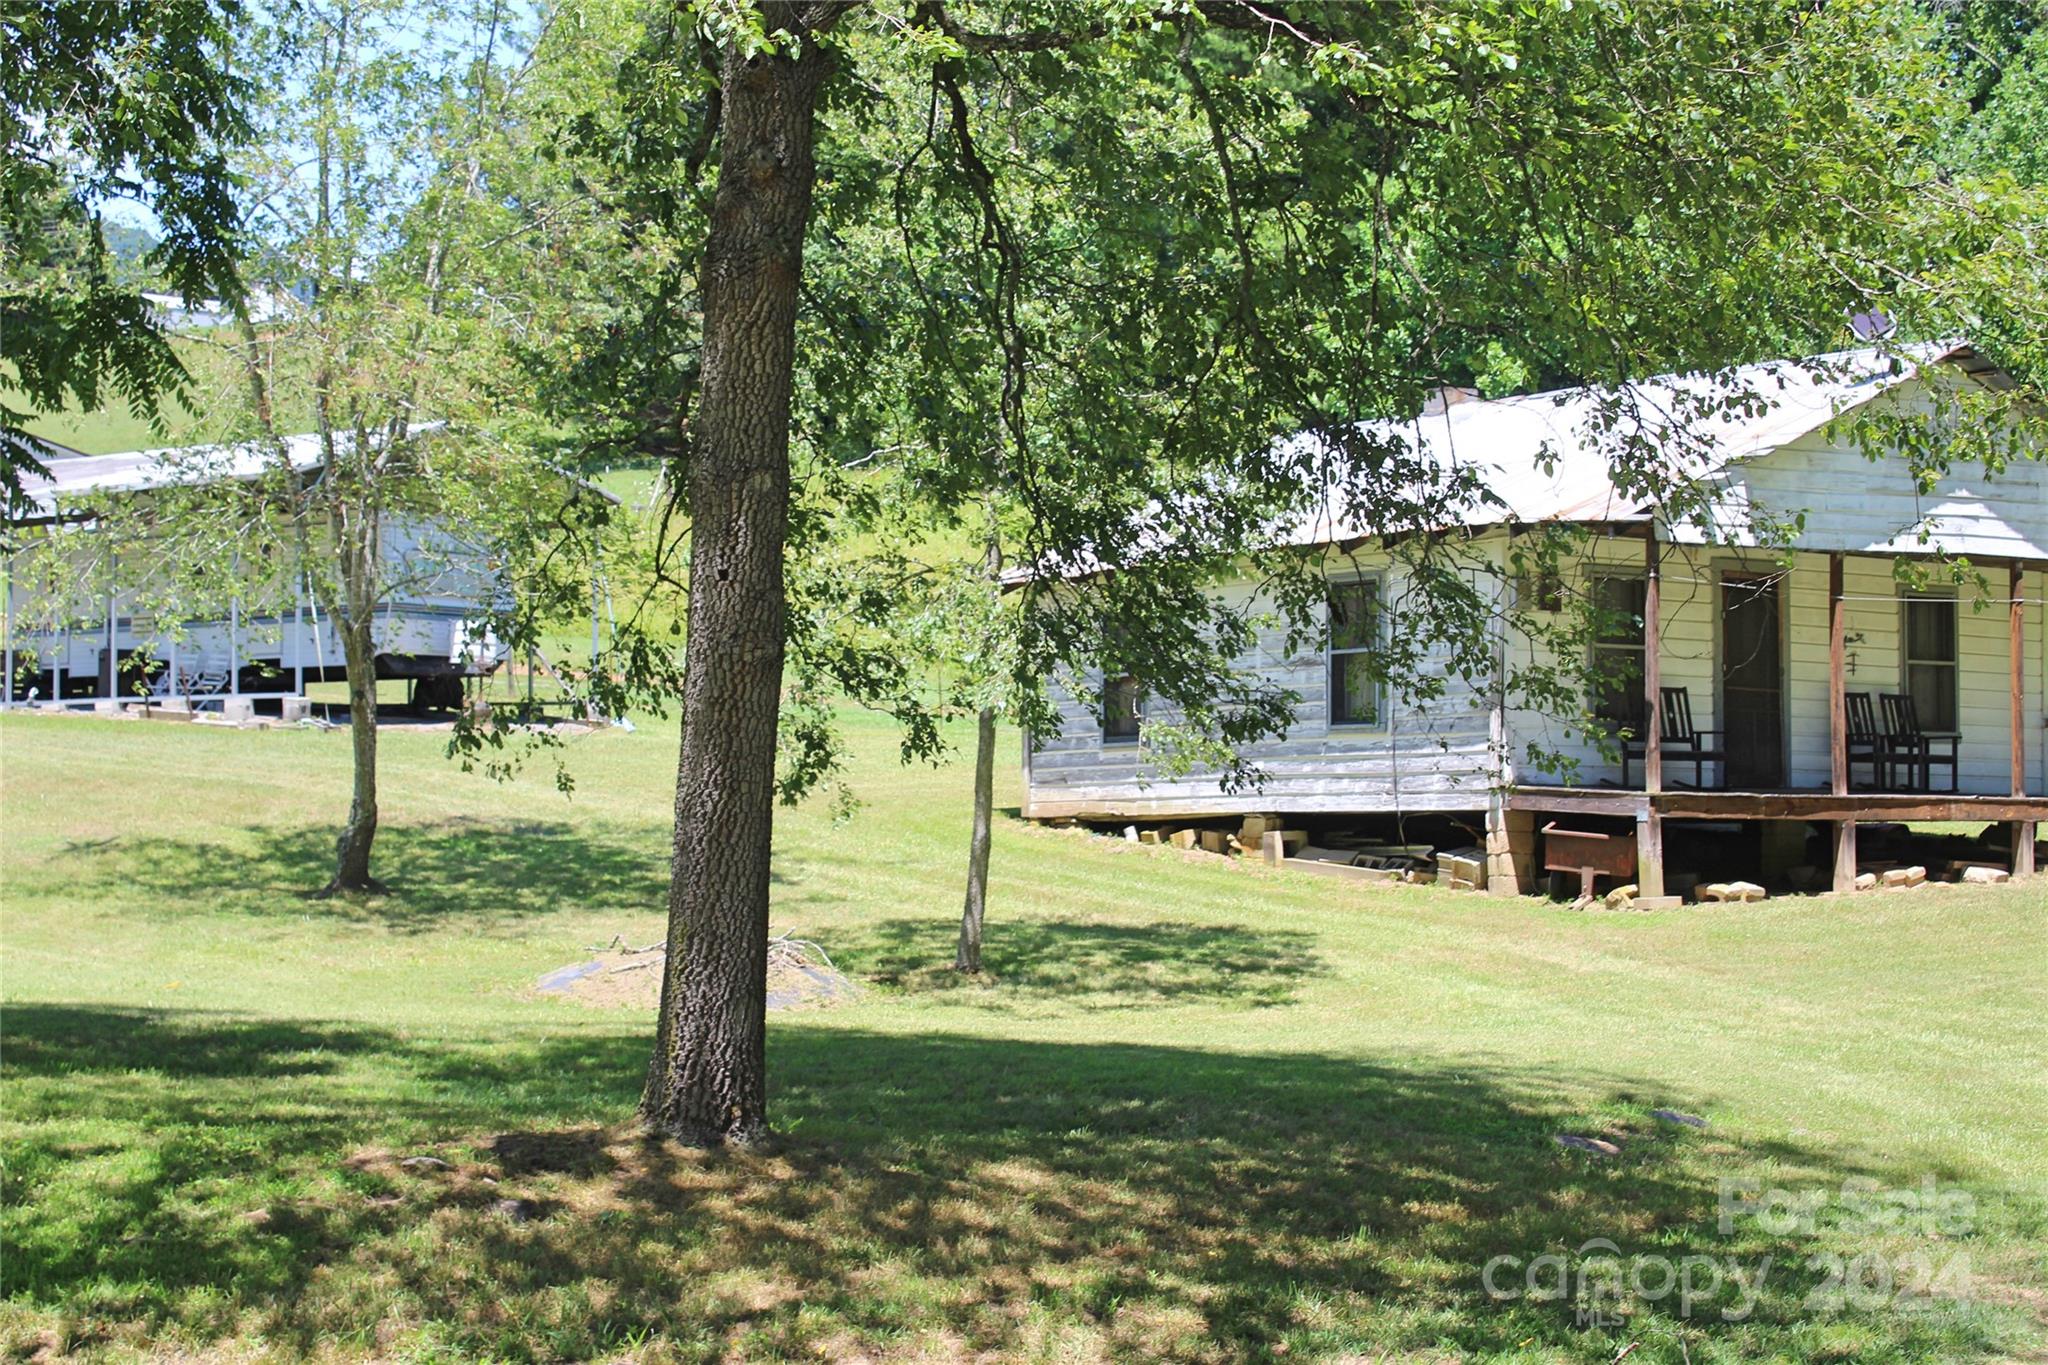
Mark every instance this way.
x=974 y=907
x=358 y=382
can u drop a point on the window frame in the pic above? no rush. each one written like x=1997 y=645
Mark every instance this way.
x=1332 y=652
x=1119 y=741
x=1953 y=664
x=1639 y=648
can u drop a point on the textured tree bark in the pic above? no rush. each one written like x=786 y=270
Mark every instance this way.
x=968 y=958
x=707 y=1081
x=357 y=540
x=352 y=855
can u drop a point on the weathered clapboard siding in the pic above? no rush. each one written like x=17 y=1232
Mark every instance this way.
x=1440 y=758
x=1425 y=757
x=1873 y=509
x=1854 y=503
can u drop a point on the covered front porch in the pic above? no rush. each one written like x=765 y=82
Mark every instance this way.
x=1773 y=720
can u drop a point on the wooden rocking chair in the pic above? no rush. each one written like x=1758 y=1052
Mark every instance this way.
x=1913 y=746
x=1867 y=742
x=1678 y=738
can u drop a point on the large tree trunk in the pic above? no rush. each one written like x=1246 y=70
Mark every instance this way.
x=968 y=958
x=707 y=1081
x=352 y=855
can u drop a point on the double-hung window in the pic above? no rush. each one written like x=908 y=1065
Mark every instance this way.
x=1357 y=693
x=1617 y=671
x=1930 y=635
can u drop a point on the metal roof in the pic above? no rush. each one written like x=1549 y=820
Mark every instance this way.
x=75 y=476
x=135 y=470
x=1551 y=457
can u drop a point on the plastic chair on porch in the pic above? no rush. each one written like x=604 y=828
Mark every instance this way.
x=1913 y=746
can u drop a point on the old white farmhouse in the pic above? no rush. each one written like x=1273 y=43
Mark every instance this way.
x=1824 y=693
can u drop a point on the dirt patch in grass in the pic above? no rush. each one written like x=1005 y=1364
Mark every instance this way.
x=800 y=977
x=578 y=1151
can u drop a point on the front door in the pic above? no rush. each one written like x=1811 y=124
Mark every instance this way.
x=1752 y=682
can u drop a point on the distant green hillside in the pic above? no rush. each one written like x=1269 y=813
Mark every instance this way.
x=112 y=428
x=103 y=432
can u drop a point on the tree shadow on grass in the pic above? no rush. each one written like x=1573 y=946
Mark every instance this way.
x=1087 y=964
x=951 y=1195
x=68 y=1040
x=449 y=870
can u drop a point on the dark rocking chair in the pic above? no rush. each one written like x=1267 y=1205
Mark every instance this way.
x=1679 y=738
x=1914 y=747
x=1867 y=742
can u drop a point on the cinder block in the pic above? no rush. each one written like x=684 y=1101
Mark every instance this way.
x=1256 y=827
x=297 y=709
x=237 y=709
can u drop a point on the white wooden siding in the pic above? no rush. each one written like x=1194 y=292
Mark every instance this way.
x=435 y=614
x=1689 y=623
x=1866 y=506
x=1425 y=757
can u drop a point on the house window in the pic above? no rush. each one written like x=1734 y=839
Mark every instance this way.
x=1123 y=709
x=1931 y=661
x=1617 y=663
x=1357 y=696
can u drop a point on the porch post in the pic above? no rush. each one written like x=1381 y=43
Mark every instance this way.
x=235 y=646
x=2016 y=629
x=299 y=635
x=1650 y=824
x=113 y=650
x=1838 y=723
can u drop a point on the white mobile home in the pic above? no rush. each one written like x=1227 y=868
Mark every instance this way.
x=79 y=630
x=1832 y=691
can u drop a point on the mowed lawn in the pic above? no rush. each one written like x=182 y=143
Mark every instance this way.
x=1202 y=1112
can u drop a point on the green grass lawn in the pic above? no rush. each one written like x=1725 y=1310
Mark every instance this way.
x=1203 y=1111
